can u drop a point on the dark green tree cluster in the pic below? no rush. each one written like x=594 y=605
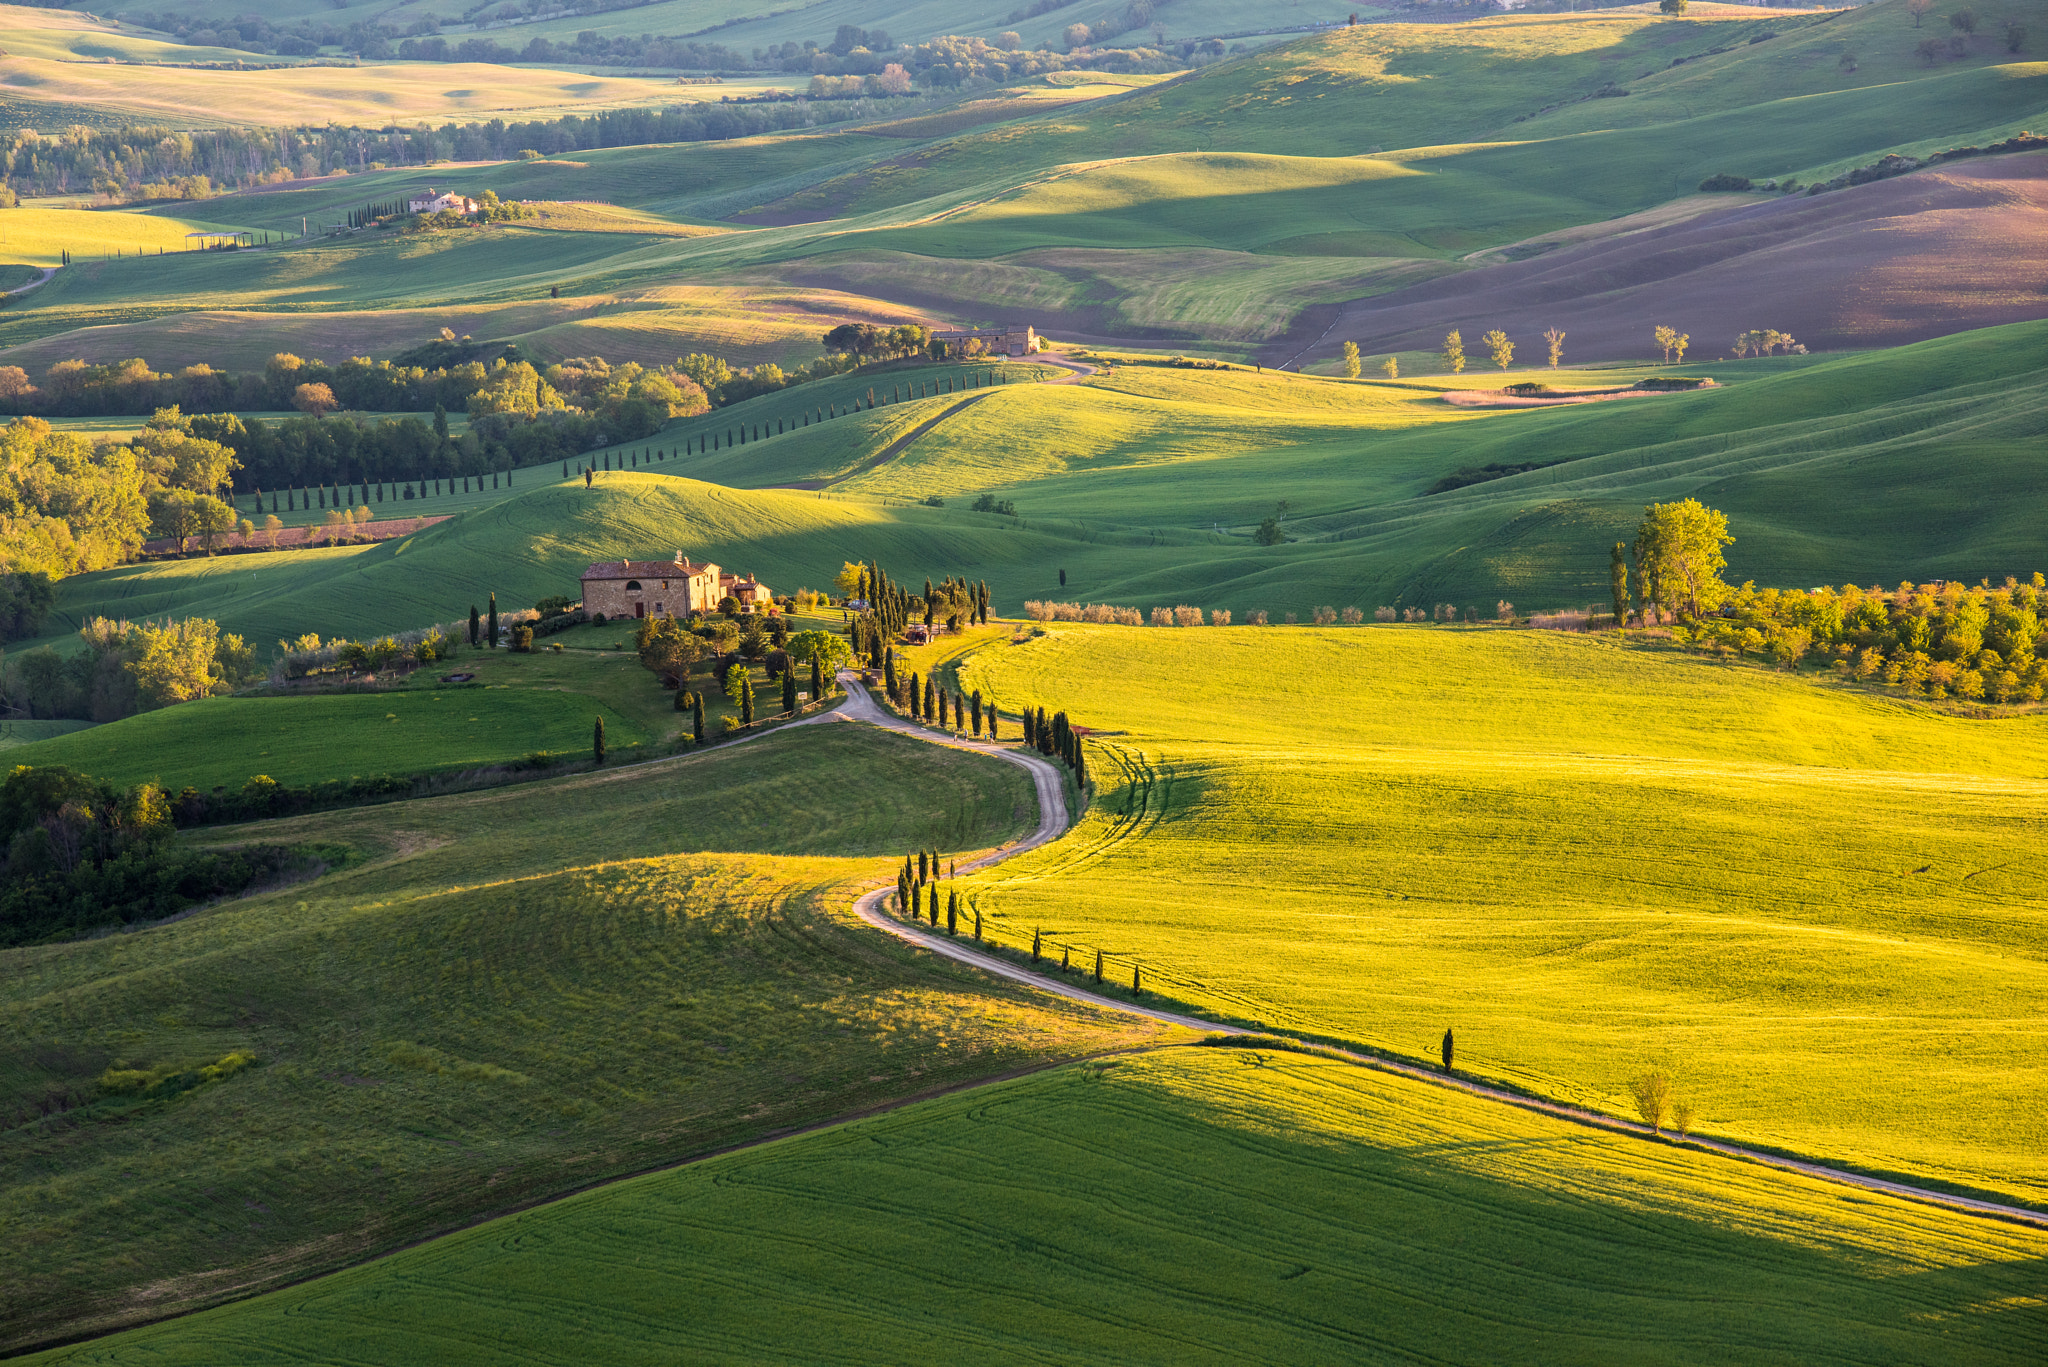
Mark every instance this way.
x=80 y=855
x=1054 y=736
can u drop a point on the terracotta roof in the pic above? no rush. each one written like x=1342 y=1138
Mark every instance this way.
x=644 y=569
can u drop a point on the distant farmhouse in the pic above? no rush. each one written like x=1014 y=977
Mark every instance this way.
x=434 y=202
x=664 y=588
x=997 y=341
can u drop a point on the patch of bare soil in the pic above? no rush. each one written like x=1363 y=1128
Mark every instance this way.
x=1923 y=255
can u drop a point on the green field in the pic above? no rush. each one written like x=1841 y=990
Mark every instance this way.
x=521 y=992
x=1589 y=860
x=1181 y=1206
x=1146 y=485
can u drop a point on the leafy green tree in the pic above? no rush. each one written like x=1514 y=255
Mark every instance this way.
x=1502 y=349
x=1392 y=365
x=1678 y=556
x=1351 y=360
x=1672 y=6
x=1554 y=338
x=1652 y=1095
x=1454 y=352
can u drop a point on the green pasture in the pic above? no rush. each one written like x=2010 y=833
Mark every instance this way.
x=1184 y=1205
x=517 y=993
x=40 y=237
x=1588 y=860
x=19 y=731
x=1146 y=485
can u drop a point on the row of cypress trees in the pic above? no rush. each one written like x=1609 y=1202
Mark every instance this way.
x=1055 y=736
x=299 y=500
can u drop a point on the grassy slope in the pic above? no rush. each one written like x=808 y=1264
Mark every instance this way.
x=1587 y=860
x=468 y=91
x=521 y=992
x=1177 y=1207
x=1868 y=467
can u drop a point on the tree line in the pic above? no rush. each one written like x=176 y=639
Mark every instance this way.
x=78 y=855
x=125 y=668
x=1938 y=640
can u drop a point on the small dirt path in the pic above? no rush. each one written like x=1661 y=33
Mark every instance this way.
x=43 y=279
x=1052 y=823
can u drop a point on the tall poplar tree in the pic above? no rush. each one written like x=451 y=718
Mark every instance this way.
x=1617 y=574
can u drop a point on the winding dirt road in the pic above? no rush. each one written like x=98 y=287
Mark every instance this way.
x=1052 y=822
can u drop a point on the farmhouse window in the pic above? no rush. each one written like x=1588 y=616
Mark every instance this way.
x=632 y=586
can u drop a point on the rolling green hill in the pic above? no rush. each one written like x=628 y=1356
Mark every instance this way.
x=1145 y=486
x=518 y=993
x=1175 y=1207
x=1588 y=860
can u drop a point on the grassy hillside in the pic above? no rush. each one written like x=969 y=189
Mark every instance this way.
x=1587 y=860
x=519 y=993
x=376 y=94
x=1175 y=1207
x=1146 y=485
x=40 y=237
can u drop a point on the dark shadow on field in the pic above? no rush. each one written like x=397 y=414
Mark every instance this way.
x=1094 y=1216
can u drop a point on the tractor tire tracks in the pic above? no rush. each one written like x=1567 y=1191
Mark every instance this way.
x=1052 y=823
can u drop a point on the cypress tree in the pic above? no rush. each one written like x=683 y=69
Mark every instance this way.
x=929 y=699
x=935 y=907
x=1618 y=575
x=975 y=716
x=697 y=720
x=1098 y=965
x=952 y=912
x=1137 y=988
x=992 y=720
x=1037 y=938
x=1028 y=737
x=492 y=630
x=597 y=741
x=889 y=670
x=923 y=870
x=747 y=701
x=1447 y=1050
x=1064 y=965
x=817 y=681
x=789 y=691
x=977 y=924
x=476 y=631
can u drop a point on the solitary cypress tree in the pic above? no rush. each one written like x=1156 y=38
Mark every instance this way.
x=476 y=630
x=1037 y=938
x=952 y=912
x=697 y=720
x=1098 y=965
x=1618 y=575
x=597 y=741
x=1137 y=988
x=492 y=630
x=1063 y=959
x=1447 y=1050
x=977 y=924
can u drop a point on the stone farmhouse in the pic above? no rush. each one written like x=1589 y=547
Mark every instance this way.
x=433 y=202
x=998 y=341
x=664 y=588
